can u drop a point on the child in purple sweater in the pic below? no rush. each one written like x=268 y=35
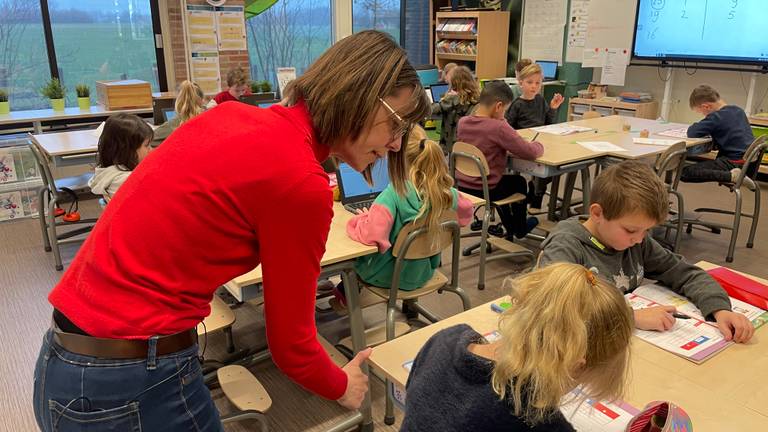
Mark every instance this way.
x=488 y=130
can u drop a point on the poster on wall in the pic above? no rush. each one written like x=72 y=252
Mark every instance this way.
x=284 y=76
x=544 y=29
x=205 y=71
x=201 y=28
x=578 y=22
x=230 y=28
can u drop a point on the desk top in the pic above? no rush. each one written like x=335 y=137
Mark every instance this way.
x=727 y=392
x=68 y=113
x=758 y=121
x=560 y=150
x=67 y=143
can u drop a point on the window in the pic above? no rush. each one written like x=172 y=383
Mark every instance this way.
x=23 y=58
x=381 y=15
x=100 y=40
x=291 y=33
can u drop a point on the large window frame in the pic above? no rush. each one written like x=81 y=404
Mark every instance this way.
x=162 y=78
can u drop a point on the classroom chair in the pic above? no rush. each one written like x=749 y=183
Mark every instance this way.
x=669 y=167
x=237 y=383
x=752 y=158
x=591 y=114
x=413 y=243
x=470 y=161
x=49 y=197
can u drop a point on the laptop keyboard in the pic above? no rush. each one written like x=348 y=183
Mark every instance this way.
x=360 y=205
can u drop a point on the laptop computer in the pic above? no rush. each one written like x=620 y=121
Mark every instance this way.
x=168 y=114
x=438 y=90
x=266 y=104
x=355 y=192
x=548 y=69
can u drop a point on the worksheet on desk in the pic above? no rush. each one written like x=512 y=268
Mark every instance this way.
x=675 y=133
x=691 y=338
x=598 y=416
x=664 y=296
x=561 y=129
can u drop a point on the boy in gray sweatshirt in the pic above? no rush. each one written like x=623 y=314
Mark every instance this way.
x=628 y=199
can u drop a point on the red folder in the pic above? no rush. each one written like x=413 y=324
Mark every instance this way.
x=740 y=287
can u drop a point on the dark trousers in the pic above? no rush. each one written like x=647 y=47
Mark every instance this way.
x=718 y=170
x=513 y=215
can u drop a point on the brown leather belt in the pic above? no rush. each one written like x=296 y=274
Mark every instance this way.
x=122 y=348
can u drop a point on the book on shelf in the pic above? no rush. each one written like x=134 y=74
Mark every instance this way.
x=457 y=25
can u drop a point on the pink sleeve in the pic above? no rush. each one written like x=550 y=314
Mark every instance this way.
x=517 y=145
x=372 y=228
x=464 y=209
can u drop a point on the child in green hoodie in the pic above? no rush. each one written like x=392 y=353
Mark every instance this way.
x=628 y=199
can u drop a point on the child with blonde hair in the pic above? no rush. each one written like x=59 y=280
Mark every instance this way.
x=565 y=330
x=429 y=192
x=519 y=66
x=455 y=104
x=189 y=103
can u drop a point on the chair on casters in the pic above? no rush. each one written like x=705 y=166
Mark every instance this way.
x=669 y=167
x=752 y=158
x=53 y=193
x=413 y=243
x=470 y=161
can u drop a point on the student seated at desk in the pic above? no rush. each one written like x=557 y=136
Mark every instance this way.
x=628 y=199
x=487 y=130
x=237 y=82
x=531 y=110
x=445 y=75
x=189 y=103
x=731 y=134
x=517 y=91
x=123 y=143
x=429 y=192
x=566 y=329
x=455 y=104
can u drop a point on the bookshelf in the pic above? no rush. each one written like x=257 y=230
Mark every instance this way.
x=578 y=106
x=477 y=39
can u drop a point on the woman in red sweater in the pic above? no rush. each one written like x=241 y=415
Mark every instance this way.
x=231 y=188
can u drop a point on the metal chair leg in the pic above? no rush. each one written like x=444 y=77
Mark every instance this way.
x=53 y=238
x=42 y=204
x=483 y=252
x=680 y=221
x=389 y=408
x=755 y=217
x=735 y=227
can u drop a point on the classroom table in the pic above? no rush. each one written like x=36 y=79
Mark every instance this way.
x=68 y=148
x=761 y=121
x=728 y=392
x=38 y=117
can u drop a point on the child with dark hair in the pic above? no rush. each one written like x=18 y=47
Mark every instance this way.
x=122 y=145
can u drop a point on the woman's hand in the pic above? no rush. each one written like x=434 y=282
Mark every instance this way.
x=357 y=381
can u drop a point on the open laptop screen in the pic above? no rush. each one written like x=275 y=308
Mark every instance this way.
x=353 y=186
x=438 y=90
x=169 y=114
x=548 y=69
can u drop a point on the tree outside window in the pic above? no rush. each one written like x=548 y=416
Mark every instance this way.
x=23 y=59
x=381 y=15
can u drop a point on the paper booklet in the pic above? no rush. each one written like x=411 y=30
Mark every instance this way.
x=600 y=416
x=675 y=133
x=561 y=129
x=694 y=339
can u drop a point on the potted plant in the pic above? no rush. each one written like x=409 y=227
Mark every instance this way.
x=5 y=107
x=262 y=90
x=83 y=97
x=54 y=91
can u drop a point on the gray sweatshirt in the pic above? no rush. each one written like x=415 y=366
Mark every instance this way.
x=106 y=181
x=571 y=242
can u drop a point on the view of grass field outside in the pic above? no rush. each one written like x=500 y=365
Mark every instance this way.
x=94 y=40
x=295 y=32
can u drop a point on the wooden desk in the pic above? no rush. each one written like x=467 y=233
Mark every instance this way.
x=758 y=121
x=38 y=117
x=728 y=392
x=68 y=148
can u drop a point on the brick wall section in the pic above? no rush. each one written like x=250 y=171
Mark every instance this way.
x=227 y=59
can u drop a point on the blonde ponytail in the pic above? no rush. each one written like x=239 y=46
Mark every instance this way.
x=189 y=102
x=428 y=173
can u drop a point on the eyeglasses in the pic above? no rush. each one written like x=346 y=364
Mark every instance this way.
x=401 y=127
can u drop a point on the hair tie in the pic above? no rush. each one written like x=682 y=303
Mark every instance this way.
x=591 y=277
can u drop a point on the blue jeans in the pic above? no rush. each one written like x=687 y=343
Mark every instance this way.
x=160 y=393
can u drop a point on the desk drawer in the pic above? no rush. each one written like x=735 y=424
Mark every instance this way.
x=75 y=159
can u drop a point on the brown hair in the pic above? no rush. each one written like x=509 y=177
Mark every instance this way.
x=531 y=69
x=465 y=85
x=236 y=77
x=122 y=136
x=189 y=102
x=343 y=89
x=521 y=64
x=629 y=187
x=496 y=91
x=565 y=328
x=703 y=94
x=428 y=173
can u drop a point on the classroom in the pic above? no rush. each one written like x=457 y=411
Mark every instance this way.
x=392 y=215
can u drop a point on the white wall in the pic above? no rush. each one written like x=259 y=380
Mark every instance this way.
x=732 y=86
